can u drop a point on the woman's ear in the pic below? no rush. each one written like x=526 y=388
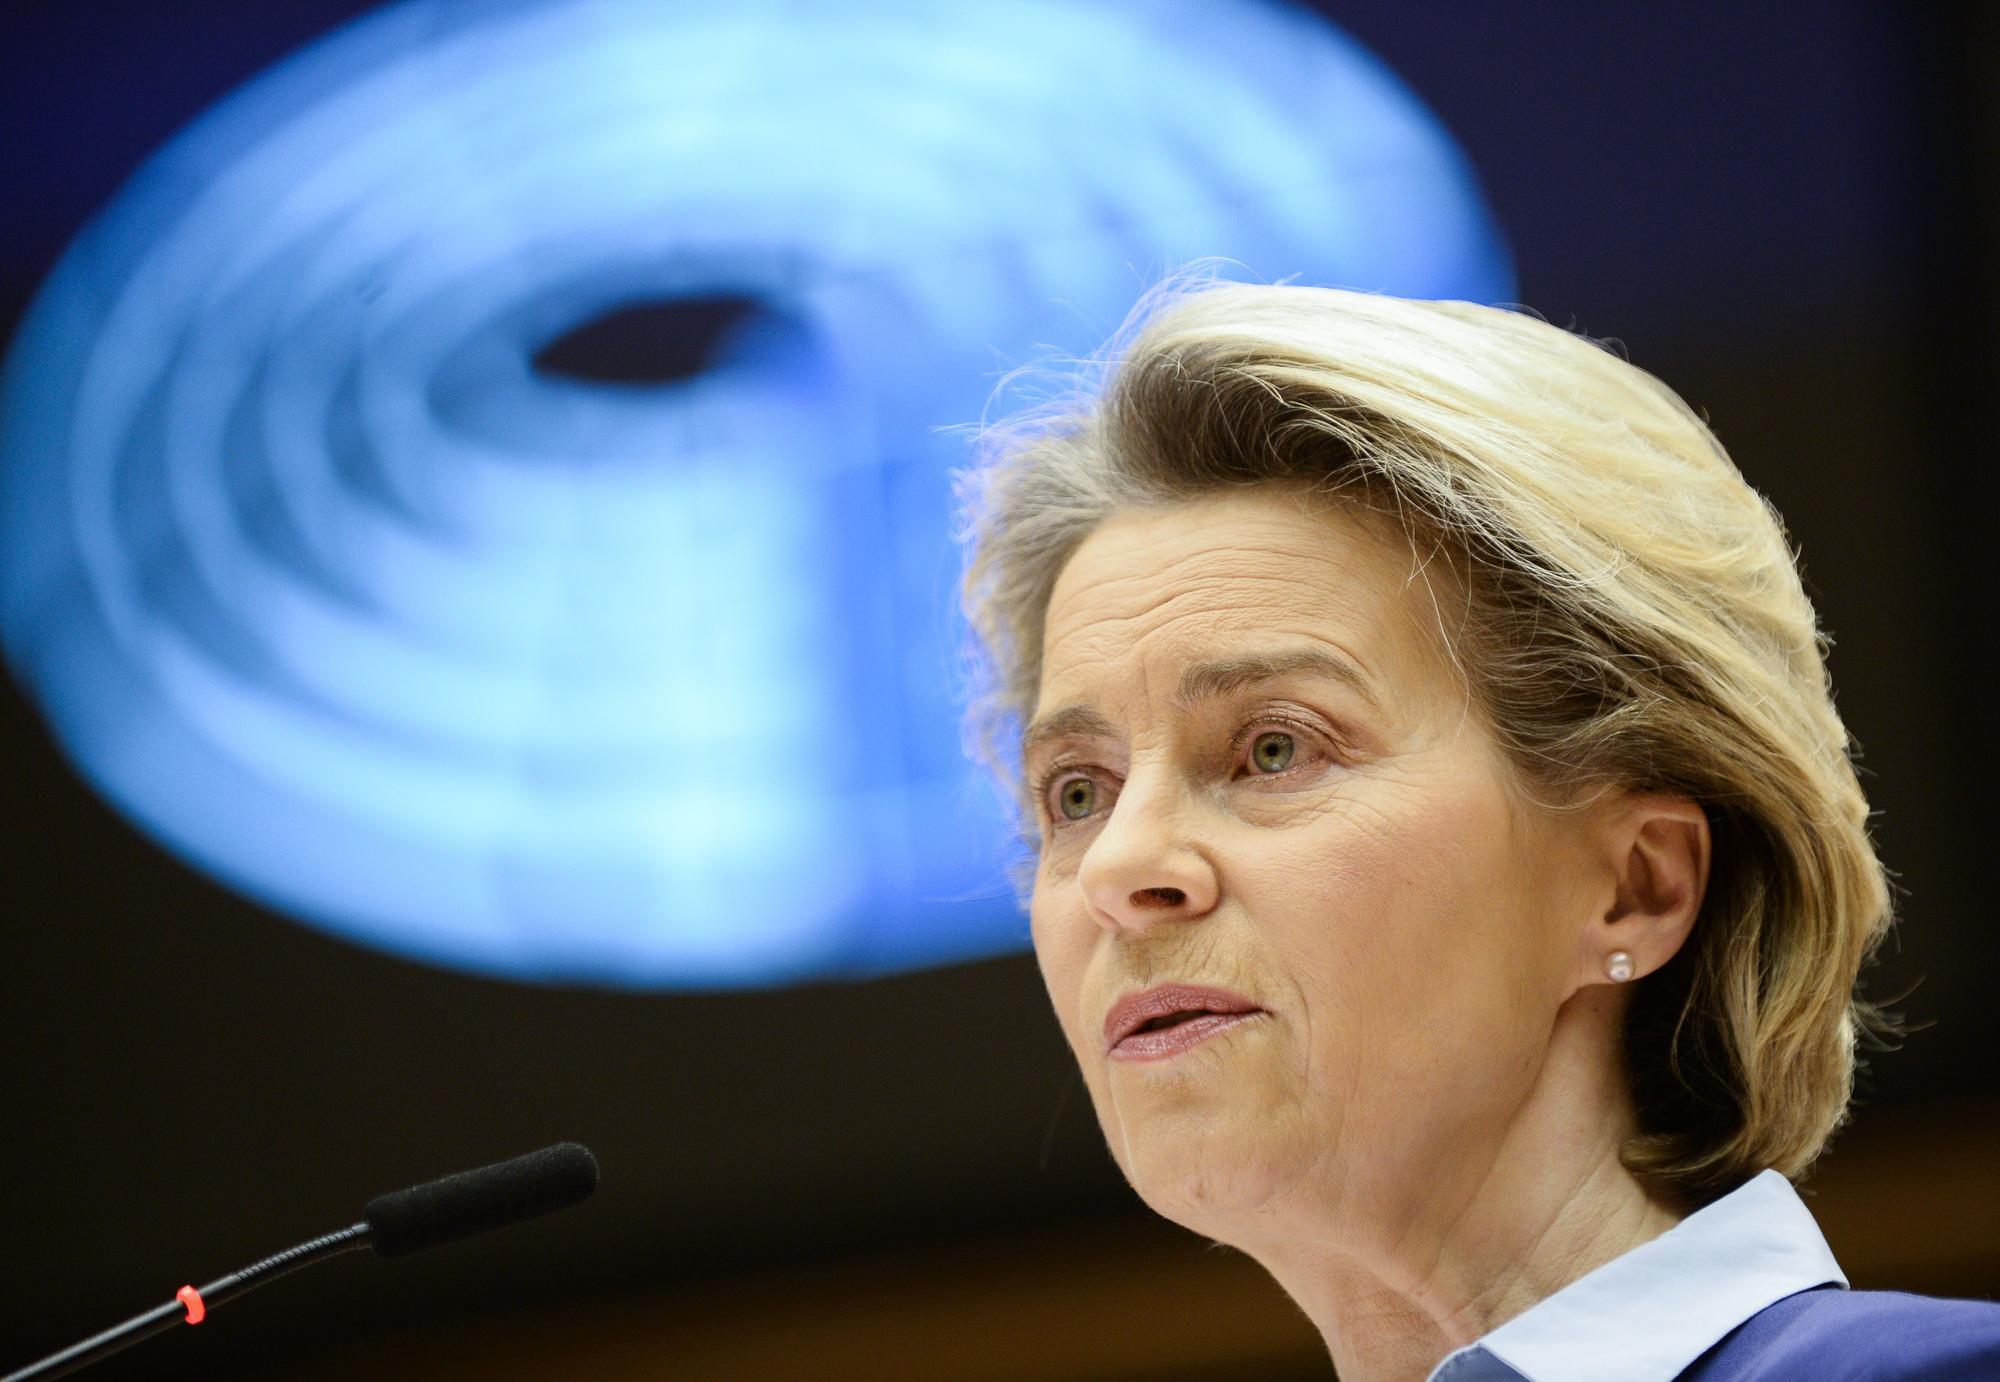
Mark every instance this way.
x=1657 y=847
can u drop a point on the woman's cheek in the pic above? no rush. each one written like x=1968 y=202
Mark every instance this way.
x=1061 y=964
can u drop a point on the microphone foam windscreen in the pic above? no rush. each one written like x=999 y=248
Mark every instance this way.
x=457 y=1206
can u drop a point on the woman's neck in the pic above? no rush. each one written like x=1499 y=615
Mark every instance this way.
x=1548 y=1204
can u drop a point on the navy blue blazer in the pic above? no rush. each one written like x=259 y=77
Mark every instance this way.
x=1830 y=1335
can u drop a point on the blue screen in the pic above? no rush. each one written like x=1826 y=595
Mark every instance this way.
x=483 y=490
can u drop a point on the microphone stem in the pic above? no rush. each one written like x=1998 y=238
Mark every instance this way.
x=175 y=1311
x=271 y=1268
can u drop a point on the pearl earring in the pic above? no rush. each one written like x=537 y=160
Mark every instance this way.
x=1618 y=965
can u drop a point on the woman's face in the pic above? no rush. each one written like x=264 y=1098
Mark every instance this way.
x=1345 y=860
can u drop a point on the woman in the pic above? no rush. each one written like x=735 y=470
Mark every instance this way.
x=1449 y=870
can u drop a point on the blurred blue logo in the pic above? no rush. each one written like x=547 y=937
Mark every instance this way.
x=480 y=488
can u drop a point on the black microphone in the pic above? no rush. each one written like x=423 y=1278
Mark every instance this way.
x=395 y=1225
x=454 y=1207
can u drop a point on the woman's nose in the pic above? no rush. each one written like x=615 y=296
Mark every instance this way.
x=1144 y=867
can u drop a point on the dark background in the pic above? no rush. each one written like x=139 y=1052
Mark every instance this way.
x=1784 y=210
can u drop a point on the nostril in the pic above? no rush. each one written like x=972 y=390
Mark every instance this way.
x=1167 y=897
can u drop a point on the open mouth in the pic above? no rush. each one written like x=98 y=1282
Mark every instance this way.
x=1172 y=1016
x=1156 y=1024
x=1167 y=1036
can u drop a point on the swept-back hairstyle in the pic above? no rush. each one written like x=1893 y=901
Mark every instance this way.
x=1628 y=611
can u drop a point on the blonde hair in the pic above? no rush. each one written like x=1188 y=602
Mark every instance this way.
x=1632 y=616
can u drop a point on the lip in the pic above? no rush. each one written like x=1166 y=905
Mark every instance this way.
x=1134 y=1010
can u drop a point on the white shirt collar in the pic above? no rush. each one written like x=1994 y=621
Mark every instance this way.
x=1644 y=1316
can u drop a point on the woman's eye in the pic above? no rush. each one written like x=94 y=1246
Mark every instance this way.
x=1273 y=751
x=1077 y=798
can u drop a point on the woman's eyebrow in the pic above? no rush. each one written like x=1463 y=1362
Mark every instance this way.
x=1071 y=722
x=1202 y=681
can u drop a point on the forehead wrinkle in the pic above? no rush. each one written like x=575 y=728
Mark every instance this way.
x=1212 y=593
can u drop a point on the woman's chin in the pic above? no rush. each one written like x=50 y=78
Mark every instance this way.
x=1207 y=1178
